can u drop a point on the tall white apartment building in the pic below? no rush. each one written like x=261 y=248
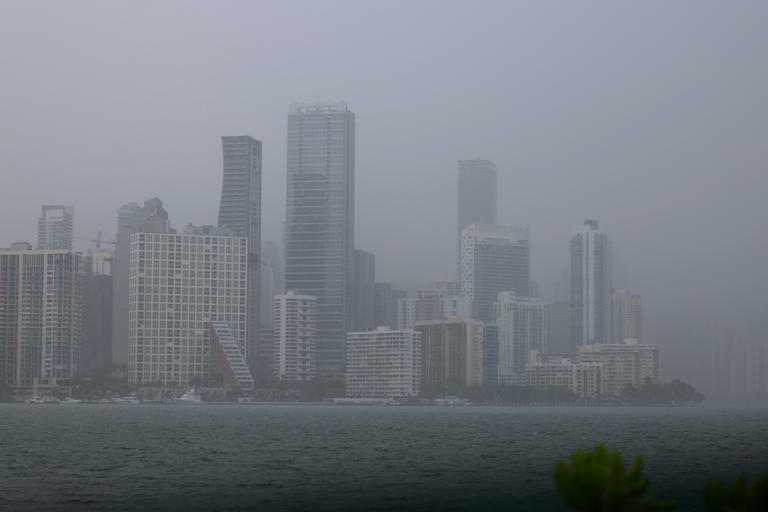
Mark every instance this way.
x=590 y=285
x=383 y=363
x=294 y=353
x=178 y=285
x=523 y=326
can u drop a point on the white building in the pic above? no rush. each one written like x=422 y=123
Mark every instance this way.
x=590 y=285
x=55 y=227
x=101 y=259
x=626 y=364
x=523 y=324
x=584 y=379
x=383 y=363
x=295 y=335
x=178 y=285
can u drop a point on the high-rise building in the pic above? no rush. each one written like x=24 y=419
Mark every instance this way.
x=319 y=225
x=383 y=363
x=451 y=354
x=55 y=227
x=179 y=284
x=240 y=212
x=271 y=284
x=476 y=198
x=131 y=218
x=494 y=259
x=40 y=315
x=523 y=324
x=385 y=308
x=295 y=328
x=490 y=354
x=590 y=285
x=428 y=304
x=96 y=349
x=362 y=293
x=559 y=328
x=626 y=310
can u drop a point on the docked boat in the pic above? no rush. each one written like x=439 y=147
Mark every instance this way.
x=70 y=400
x=35 y=400
x=127 y=399
x=191 y=397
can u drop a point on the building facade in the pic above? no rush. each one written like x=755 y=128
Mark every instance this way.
x=131 y=218
x=96 y=349
x=55 y=227
x=626 y=312
x=40 y=315
x=240 y=212
x=383 y=363
x=385 y=305
x=590 y=285
x=362 y=292
x=319 y=223
x=228 y=367
x=178 y=285
x=295 y=330
x=494 y=259
x=583 y=379
x=476 y=203
x=523 y=326
x=451 y=354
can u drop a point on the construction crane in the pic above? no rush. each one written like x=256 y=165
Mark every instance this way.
x=98 y=241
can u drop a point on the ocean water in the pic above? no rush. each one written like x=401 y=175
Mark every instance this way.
x=283 y=457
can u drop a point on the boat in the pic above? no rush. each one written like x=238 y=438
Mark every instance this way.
x=191 y=397
x=70 y=400
x=127 y=399
x=35 y=400
x=451 y=400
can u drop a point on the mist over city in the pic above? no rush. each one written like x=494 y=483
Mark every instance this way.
x=378 y=230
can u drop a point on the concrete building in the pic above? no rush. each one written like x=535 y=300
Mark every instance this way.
x=96 y=349
x=385 y=304
x=383 y=363
x=523 y=325
x=428 y=304
x=590 y=285
x=559 y=328
x=476 y=203
x=626 y=312
x=131 y=218
x=362 y=292
x=40 y=315
x=583 y=379
x=457 y=306
x=494 y=259
x=295 y=327
x=490 y=354
x=626 y=364
x=228 y=367
x=240 y=212
x=271 y=279
x=451 y=354
x=179 y=284
x=55 y=227
x=320 y=219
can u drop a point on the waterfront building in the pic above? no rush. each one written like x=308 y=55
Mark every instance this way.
x=490 y=354
x=625 y=364
x=319 y=224
x=494 y=259
x=179 y=284
x=583 y=379
x=228 y=367
x=271 y=284
x=295 y=337
x=523 y=325
x=131 y=218
x=383 y=363
x=55 y=227
x=590 y=285
x=240 y=212
x=626 y=312
x=451 y=354
x=40 y=315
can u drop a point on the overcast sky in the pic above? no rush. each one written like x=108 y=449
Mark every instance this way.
x=651 y=117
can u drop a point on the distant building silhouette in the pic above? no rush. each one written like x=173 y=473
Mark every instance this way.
x=476 y=202
x=55 y=227
x=626 y=311
x=522 y=324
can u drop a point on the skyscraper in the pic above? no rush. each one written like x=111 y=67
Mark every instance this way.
x=179 y=285
x=626 y=312
x=319 y=223
x=150 y=218
x=54 y=227
x=522 y=327
x=295 y=338
x=240 y=212
x=362 y=293
x=494 y=259
x=476 y=198
x=590 y=285
x=40 y=315
x=96 y=349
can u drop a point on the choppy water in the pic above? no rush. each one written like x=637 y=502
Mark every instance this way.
x=228 y=457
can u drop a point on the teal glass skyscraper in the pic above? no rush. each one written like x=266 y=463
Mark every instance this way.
x=319 y=221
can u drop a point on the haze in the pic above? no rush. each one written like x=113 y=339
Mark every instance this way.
x=650 y=117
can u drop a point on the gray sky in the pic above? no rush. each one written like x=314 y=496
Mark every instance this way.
x=649 y=116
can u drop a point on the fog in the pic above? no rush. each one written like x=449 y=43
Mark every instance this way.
x=651 y=117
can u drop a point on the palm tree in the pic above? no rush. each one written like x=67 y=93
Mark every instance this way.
x=741 y=496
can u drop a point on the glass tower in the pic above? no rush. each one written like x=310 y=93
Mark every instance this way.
x=319 y=221
x=476 y=197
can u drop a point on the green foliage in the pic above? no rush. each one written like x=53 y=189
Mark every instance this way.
x=487 y=394
x=741 y=496
x=597 y=481
x=675 y=392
